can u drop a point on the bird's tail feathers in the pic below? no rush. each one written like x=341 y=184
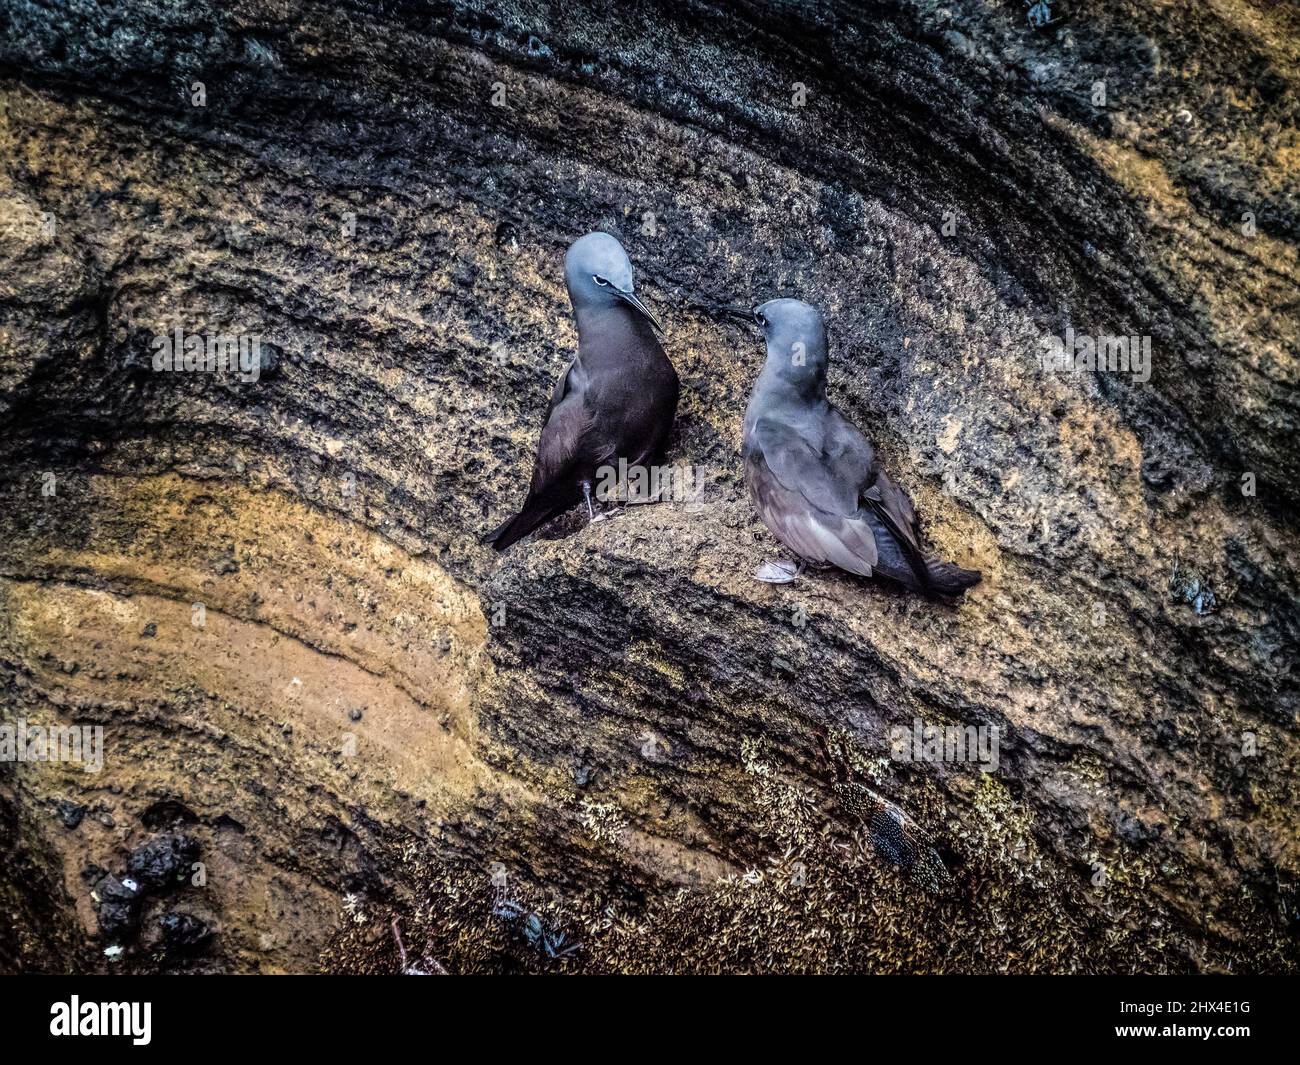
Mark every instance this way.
x=490 y=537
x=910 y=552
x=928 y=575
x=536 y=512
x=949 y=579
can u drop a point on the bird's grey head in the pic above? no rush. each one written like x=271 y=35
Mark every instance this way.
x=599 y=275
x=796 y=342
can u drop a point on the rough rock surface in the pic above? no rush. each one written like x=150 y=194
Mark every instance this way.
x=270 y=596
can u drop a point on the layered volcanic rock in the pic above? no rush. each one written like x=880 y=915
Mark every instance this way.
x=610 y=749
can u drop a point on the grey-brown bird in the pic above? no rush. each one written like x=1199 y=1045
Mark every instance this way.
x=815 y=479
x=616 y=400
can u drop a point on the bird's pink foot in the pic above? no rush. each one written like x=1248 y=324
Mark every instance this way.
x=779 y=572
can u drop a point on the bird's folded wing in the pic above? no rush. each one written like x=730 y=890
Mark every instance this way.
x=899 y=507
x=850 y=454
x=895 y=511
x=566 y=421
x=801 y=467
x=810 y=508
x=573 y=378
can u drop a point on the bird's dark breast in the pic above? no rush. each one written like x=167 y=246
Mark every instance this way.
x=635 y=389
x=638 y=418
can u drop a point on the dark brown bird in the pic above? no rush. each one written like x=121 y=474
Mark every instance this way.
x=815 y=479
x=616 y=400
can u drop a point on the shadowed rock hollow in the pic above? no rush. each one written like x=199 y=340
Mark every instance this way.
x=270 y=596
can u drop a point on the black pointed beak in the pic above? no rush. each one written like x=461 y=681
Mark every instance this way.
x=632 y=299
x=746 y=314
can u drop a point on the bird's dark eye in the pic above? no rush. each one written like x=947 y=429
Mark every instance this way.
x=758 y=317
x=599 y=280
